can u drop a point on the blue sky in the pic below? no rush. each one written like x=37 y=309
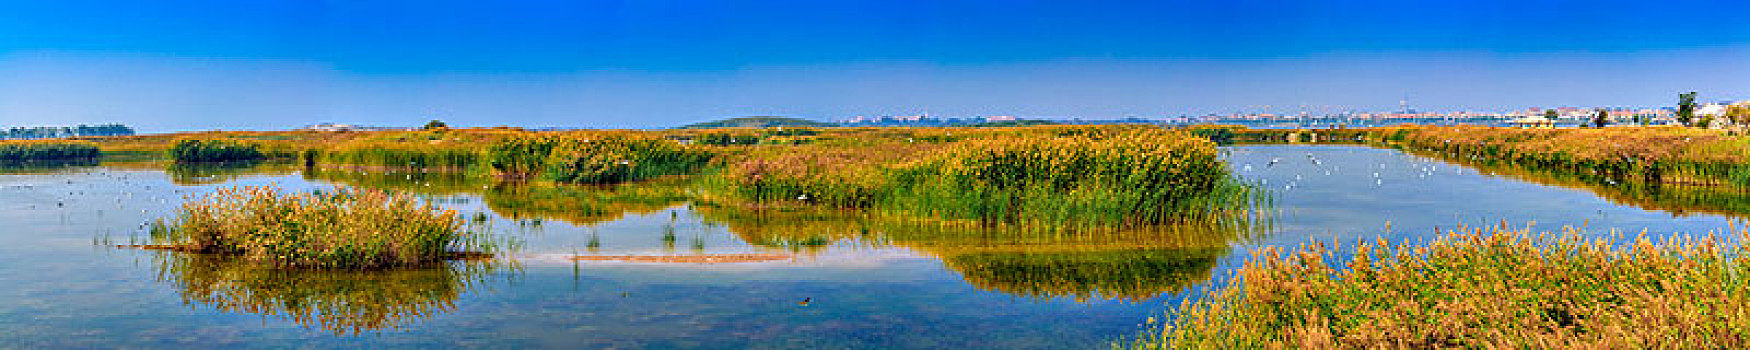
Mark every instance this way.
x=184 y=65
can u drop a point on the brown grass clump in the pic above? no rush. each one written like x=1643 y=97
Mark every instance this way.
x=1479 y=288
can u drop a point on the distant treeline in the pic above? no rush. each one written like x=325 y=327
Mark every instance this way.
x=49 y=132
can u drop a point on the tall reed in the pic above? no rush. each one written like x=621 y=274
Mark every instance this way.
x=347 y=228
x=620 y=159
x=1497 y=287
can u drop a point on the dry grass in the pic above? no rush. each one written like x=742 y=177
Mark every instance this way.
x=1479 y=288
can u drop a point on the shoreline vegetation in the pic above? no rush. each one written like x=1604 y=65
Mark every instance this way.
x=47 y=152
x=1065 y=177
x=1477 y=287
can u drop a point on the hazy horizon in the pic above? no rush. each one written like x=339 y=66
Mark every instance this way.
x=181 y=66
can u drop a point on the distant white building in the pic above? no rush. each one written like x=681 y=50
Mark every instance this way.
x=336 y=127
x=1712 y=109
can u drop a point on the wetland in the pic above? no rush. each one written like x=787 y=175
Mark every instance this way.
x=664 y=261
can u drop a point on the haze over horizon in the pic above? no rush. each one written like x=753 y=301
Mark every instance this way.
x=186 y=65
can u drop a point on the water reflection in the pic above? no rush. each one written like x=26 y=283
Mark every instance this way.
x=218 y=173
x=1677 y=199
x=586 y=205
x=44 y=167
x=416 y=182
x=1132 y=265
x=342 y=302
x=1124 y=274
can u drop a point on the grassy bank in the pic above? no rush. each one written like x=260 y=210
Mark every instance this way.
x=23 y=152
x=1650 y=154
x=1479 y=288
x=350 y=229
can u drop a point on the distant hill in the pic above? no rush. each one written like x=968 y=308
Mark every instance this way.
x=758 y=122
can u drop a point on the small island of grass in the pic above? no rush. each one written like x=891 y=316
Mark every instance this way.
x=345 y=229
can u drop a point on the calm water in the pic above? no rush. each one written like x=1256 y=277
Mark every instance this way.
x=839 y=283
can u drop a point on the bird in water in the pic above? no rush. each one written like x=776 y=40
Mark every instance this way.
x=805 y=301
x=1273 y=161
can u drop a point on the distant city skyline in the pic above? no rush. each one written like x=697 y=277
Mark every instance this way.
x=191 y=65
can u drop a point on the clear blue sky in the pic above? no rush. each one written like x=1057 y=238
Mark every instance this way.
x=183 y=65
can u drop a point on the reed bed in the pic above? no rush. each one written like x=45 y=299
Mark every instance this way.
x=1496 y=287
x=20 y=152
x=344 y=229
x=595 y=158
x=431 y=154
x=1651 y=154
x=1132 y=177
x=215 y=151
x=621 y=159
x=834 y=176
x=1049 y=177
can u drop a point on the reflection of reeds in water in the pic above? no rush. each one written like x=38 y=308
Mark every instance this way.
x=415 y=181
x=217 y=173
x=1133 y=265
x=586 y=205
x=24 y=152
x=342 y=302
x=45 y=167
x=1125 y=274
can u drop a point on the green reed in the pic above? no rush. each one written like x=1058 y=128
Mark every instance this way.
x=215 y=151
x=41 y=151
x=394 y=154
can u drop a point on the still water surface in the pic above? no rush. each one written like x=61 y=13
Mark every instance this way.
x=835 y=283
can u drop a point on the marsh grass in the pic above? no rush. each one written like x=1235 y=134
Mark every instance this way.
x=215 y=151
x=621 y=159
x=1645 y=154
x=1494 y=287
x=435 y=154
x=1042 y=177
x=343 y=229
x=25 y=152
